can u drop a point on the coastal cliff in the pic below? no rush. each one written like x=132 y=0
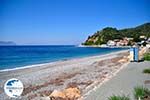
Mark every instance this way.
x=109 y=33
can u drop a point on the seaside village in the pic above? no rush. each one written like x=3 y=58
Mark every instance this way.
x=74 y=49
x=101 y=70
x=127 y=42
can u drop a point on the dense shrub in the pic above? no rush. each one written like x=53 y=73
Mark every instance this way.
x=147 y=71
x=147 y=56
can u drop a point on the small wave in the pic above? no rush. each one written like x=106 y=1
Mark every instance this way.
x=28 y=66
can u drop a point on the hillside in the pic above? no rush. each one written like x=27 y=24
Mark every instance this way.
x=109 y=33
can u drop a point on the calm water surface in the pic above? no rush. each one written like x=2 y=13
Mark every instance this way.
x=18 y=56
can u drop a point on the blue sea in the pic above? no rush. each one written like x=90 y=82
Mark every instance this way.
x=19 y=56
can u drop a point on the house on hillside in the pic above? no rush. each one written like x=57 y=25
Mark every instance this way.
x=111 y=43
x=129 y=39
x=142 y=37
x=118 y=42
x=123 y=42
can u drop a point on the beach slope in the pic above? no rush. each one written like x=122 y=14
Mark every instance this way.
x=83 y=73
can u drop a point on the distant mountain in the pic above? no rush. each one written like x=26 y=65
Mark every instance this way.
x=109 y=33
x=5 y=43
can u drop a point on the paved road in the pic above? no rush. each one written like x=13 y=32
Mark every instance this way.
x=123 y=82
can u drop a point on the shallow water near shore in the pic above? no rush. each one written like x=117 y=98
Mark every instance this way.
x=18 y=56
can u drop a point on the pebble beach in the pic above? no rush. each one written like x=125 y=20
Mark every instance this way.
x=84 y=73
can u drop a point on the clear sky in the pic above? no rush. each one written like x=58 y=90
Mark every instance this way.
x=66 y=21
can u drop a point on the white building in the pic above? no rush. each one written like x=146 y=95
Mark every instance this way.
x=111 y=43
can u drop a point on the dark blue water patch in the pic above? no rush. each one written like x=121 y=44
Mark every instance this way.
x=18 y=56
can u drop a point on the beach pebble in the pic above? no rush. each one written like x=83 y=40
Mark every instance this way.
x=57 y=94
x=72 y=93
x=42 y=98
x=66 y=94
